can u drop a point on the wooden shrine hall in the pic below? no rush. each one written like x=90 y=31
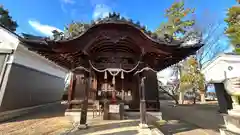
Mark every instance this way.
x=113 y=61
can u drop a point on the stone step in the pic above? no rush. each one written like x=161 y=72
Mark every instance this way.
x=232 y=123
x=234 y=112
x=224 y=131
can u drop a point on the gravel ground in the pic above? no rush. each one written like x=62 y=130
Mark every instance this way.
x=48 y=121
x=51 y=121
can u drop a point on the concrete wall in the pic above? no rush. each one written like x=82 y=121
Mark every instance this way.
x=29 y=79
x=29 y=87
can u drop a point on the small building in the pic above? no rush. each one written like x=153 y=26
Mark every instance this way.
x=26 y=78
x=224 y=66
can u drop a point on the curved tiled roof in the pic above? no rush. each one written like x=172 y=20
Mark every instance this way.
x=115 y=18
x=148 y=40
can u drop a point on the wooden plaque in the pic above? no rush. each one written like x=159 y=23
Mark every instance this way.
x=113 y=108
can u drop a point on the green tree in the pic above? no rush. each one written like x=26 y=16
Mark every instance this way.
x=192 y=77
x=6 y=20
x=76 y=28
x=57 y=35
x=178 y=21
x=233 y=26
x=178 y=25
x=72 y=30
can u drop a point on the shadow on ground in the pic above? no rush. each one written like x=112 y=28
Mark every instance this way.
x=171 y=126
x=128 y=127
x=202 y=116
x=55 y=110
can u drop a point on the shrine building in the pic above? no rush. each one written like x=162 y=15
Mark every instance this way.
x=113 y=61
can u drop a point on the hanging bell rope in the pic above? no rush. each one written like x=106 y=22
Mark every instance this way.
x=113 y=80
x=145 y=69
x=107 y=69
x=111 y=71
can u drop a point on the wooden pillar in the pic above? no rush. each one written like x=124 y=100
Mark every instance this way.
x=106 y=110
x=121 y=109
x=123 y=93
x=105 y=100
x=84 y=109
x=114 y=90
x=114 y=93
x=71 y=90
x=143 y=121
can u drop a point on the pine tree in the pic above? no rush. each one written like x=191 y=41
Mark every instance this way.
x=72 y=30
x=76 y=28
x=177 y=23
x=6 y=19
x=233 y=28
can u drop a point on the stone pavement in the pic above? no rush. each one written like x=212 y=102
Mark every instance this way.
x=201 y=116
x=97 y=126
x=177 y=127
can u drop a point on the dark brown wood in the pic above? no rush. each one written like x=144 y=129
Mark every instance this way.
x=142 y=102
x=151 y=91
x=76 y=102
x=106 y=110
x=71 y=90
x=114 y=100
x=83 y=119
x=70 y=93
x=111 y=43
x=123 y=92
x=121 y=107
x=117 y=37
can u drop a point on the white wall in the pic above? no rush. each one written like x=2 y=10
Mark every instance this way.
x=23 y=56
x=217 y=71
x=8 y=40
x=33 y=60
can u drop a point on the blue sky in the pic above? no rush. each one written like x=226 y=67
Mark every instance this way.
x=40 y=17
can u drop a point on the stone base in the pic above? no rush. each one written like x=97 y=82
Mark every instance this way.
x=234 y=112
x=75 y=115
x=232 y=122
x=224 y=131
x=143 y=125
x=154 y=115
x=82 y=126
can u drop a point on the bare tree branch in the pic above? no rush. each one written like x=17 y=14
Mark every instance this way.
x=211 y=37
